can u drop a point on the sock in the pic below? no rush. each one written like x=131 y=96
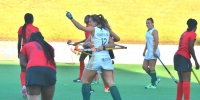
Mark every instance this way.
x=82 y=65
x=153 y=76
x=96 y=77
x=148 y=72
x=86 y=91
x=186 y=90
x=179 y=93
x=115 y=93
x=23 y=78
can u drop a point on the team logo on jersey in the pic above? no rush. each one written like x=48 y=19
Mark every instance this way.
x=105 y=59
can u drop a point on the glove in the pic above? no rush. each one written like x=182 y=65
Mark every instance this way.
x=69 y=15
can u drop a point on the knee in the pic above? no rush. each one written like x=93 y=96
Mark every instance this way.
x=144 y=68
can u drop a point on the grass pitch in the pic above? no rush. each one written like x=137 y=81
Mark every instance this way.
x=130 y=80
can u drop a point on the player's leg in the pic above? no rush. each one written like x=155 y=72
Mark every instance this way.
x=23 y=81
x=90 y=83
x=152 y=65
x=87 y=75
x=47 y=92
x=186 y=85
x=34 y=92
x=82 y=65
x=179 y=93
x=106 y=87
x=107 y=74
x=145 y=67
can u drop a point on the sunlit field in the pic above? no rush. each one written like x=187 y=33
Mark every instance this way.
x=130 y=80
x=126 y=17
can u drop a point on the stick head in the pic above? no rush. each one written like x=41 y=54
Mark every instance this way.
x=69 y=41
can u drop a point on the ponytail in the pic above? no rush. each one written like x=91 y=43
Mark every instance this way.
x=101 y=21
x=48 y=50
x=104 y=22
x=24 y=33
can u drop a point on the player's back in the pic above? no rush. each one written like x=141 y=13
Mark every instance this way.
x=36 y=55
x=184 y=43
x=29 y=29
x=100 y=38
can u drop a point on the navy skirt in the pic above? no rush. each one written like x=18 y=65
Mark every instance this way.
x=181 y=63
x=40 y=75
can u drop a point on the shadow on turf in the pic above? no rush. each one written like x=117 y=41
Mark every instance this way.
x=130 y=83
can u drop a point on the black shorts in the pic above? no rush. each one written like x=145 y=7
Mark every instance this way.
x=38 y=75
x=181 y=63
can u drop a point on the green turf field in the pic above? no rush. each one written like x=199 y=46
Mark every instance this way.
x=130 y=80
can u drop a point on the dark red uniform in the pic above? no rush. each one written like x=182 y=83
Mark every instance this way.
x=36 y=56
x=29 y=29
x=184 y=43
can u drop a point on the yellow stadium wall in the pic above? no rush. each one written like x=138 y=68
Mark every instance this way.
x=126 y=17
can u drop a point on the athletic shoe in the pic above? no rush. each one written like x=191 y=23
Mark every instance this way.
x=91 y=90
x=106 y=90
x=157 y=81
x=77 y=80
x=24 y=94
x=95 y=82
x=150 y=86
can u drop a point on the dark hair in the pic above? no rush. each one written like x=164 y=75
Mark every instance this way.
x=87 y=19
x=100 y=21
x=151 y=19
x=28 y=19
x=192 y=23
x=48 y=50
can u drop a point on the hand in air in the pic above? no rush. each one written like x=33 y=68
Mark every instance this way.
x=69 y=15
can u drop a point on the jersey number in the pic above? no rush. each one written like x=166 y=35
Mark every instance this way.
x=38 y=46
x=104 y=40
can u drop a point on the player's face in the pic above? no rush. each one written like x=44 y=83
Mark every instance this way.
x=86 y=20
x=149 y=24
x=92 y=23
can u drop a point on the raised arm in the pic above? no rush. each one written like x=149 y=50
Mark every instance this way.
x=78 y=25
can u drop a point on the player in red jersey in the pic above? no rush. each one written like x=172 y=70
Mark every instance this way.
x=182 y=63
x=83 y=55
x=37 y=57
x=23 y=33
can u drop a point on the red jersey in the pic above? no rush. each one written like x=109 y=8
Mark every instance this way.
x=184 y=43
x=87 y=34
x=29 y=29
x=36 y=55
